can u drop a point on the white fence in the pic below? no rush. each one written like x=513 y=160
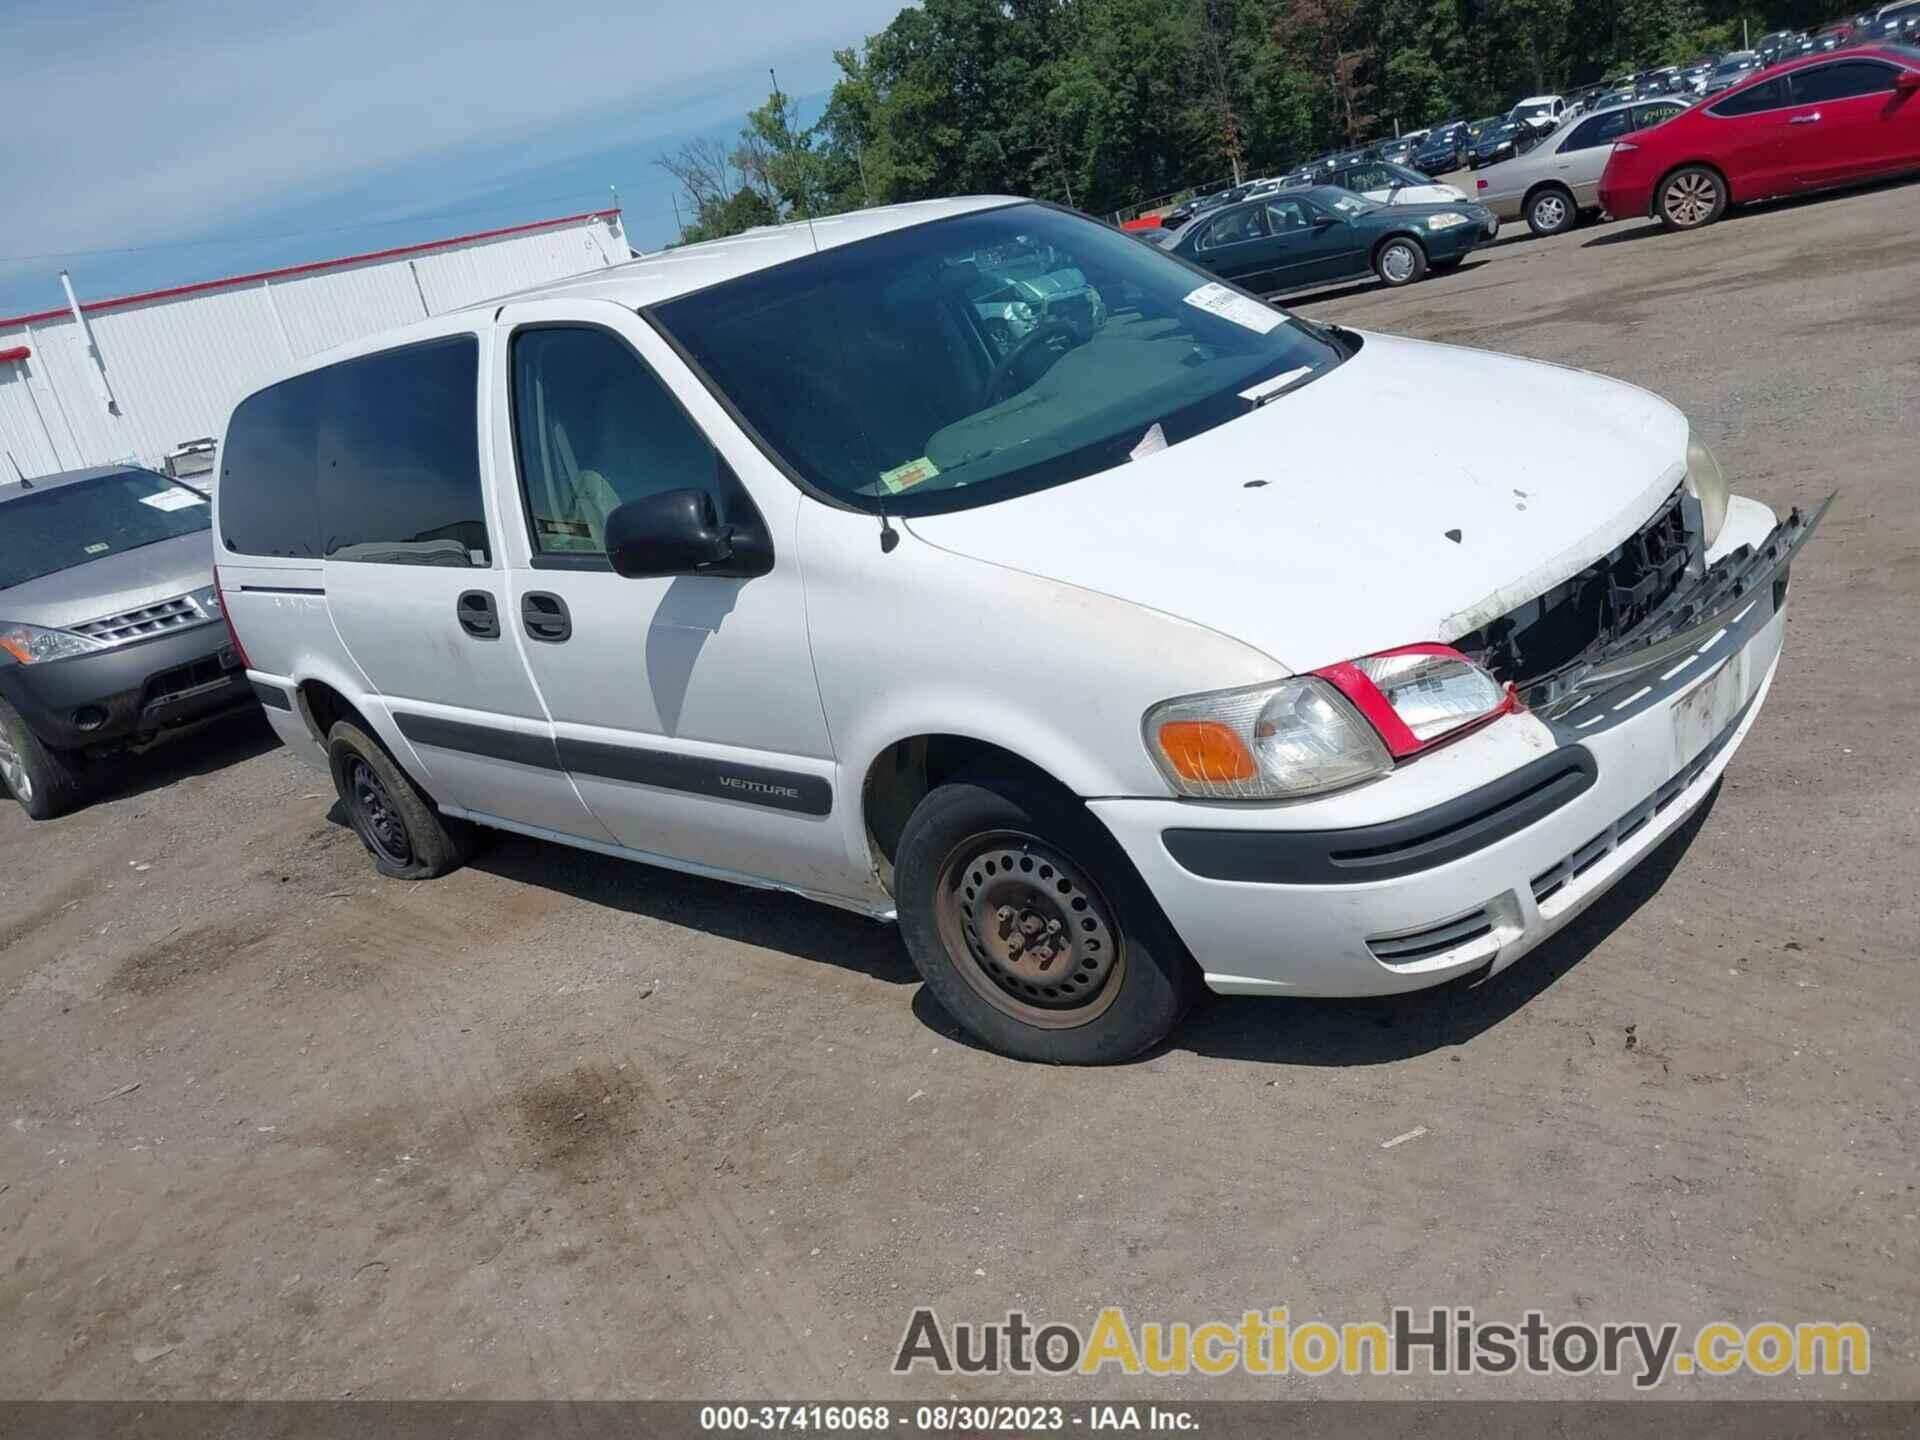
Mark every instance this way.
x=165 y=367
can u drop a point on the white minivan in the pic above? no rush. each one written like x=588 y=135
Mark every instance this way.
x=970 y=564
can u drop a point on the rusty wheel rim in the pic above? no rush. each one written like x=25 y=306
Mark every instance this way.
x=1029 y=931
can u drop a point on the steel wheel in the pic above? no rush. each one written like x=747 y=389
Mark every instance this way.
x=14 y=769
x=1028 y=930
x=374 y=814
x=1398 y=263
x=1691 y=198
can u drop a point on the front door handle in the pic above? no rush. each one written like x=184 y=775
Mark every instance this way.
x=1813 y=119
x=477 y=615
x=546 y=617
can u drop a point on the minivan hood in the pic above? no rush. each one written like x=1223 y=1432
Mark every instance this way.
x=113 y=584
x=1412 y=494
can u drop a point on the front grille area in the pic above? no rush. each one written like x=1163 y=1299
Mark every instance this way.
x=169 y=615
x=1551 y=881
x=1434 y=940
x=183 y=679
x=1610 y=596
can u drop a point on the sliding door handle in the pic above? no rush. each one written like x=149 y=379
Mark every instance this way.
x=546 y=617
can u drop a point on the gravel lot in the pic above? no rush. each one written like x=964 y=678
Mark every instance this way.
x=562 y=1126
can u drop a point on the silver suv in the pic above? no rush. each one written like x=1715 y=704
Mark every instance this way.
x=111 y=628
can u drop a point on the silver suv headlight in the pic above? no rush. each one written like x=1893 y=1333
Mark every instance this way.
x=1707 y=483
x=31 y=644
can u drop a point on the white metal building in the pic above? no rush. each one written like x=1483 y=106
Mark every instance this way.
x=131 y=379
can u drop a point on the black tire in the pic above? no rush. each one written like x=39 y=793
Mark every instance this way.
x=1691 y=197
x=1394 y=272
x=1551 y=211
x=406 y=836
x=975 y=849
x=45 y=781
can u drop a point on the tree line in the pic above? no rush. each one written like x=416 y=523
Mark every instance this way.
x=1104 y=104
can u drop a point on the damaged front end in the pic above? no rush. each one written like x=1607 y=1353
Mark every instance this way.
x=1649 y=608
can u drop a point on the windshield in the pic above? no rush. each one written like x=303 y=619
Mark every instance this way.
x=960 y=362
x=58 y=527
x=1732 y=67
x=1530 y=112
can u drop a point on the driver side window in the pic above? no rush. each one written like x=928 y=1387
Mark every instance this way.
x=594 y=427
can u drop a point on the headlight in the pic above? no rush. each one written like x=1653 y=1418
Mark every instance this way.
x=1707 y=484
x=1446 y=220
x=1299 y=737
x=31 y=644
x=1433 y=692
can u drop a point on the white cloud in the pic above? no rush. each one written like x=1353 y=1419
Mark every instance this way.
x=174 y=118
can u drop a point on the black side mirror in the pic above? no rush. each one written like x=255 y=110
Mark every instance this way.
x=676 y=532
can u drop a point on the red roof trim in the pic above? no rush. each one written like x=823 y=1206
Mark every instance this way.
x=312 y=268
x=18 y=352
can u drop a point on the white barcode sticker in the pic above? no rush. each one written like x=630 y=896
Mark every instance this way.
x=1242 y=310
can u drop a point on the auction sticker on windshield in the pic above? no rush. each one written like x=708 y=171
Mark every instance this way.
x=1240 y=309
x=173 y=500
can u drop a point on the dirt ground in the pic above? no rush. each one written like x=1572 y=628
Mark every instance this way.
x=561 y=1126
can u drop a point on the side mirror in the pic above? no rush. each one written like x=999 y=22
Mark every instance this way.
x=1907 y=81
x=676 y=532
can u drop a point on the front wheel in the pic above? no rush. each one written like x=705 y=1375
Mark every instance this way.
x=1400 y=262
x=45 y=781
x=1551 y=212
x=1691 y=197
x=1030 y=926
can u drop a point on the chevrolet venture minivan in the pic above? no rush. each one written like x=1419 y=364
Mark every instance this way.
x=1115 y=649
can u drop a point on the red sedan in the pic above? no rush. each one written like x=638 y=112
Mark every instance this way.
x=1833 y=119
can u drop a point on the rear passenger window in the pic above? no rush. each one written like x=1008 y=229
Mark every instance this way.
x=267 y=472
x=1600 y=130
x=593 y=427
x=1768 y=95
x=399 y=457
x=1841 y=82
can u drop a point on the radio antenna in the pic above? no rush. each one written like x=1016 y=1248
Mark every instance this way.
x=26 y=484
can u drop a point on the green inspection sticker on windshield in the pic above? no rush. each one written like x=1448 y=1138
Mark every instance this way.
x=902 y=477
x=99 y=547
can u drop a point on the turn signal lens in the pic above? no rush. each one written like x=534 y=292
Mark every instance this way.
x=1206 y=751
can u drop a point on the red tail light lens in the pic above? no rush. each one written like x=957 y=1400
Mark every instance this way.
x=226 y=614
x=1421 y=695
x=1481 y=183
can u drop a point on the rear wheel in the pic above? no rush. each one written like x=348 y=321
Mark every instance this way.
x=45 y=781
x=1031 y=928
x=1691 y=197
x=1552 y=212
x=406 y=836
x=1400 y=261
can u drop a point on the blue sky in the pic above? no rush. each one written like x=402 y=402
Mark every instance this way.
x=300 y=131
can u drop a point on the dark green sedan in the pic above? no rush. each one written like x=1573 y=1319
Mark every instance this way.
x=1319 y=235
